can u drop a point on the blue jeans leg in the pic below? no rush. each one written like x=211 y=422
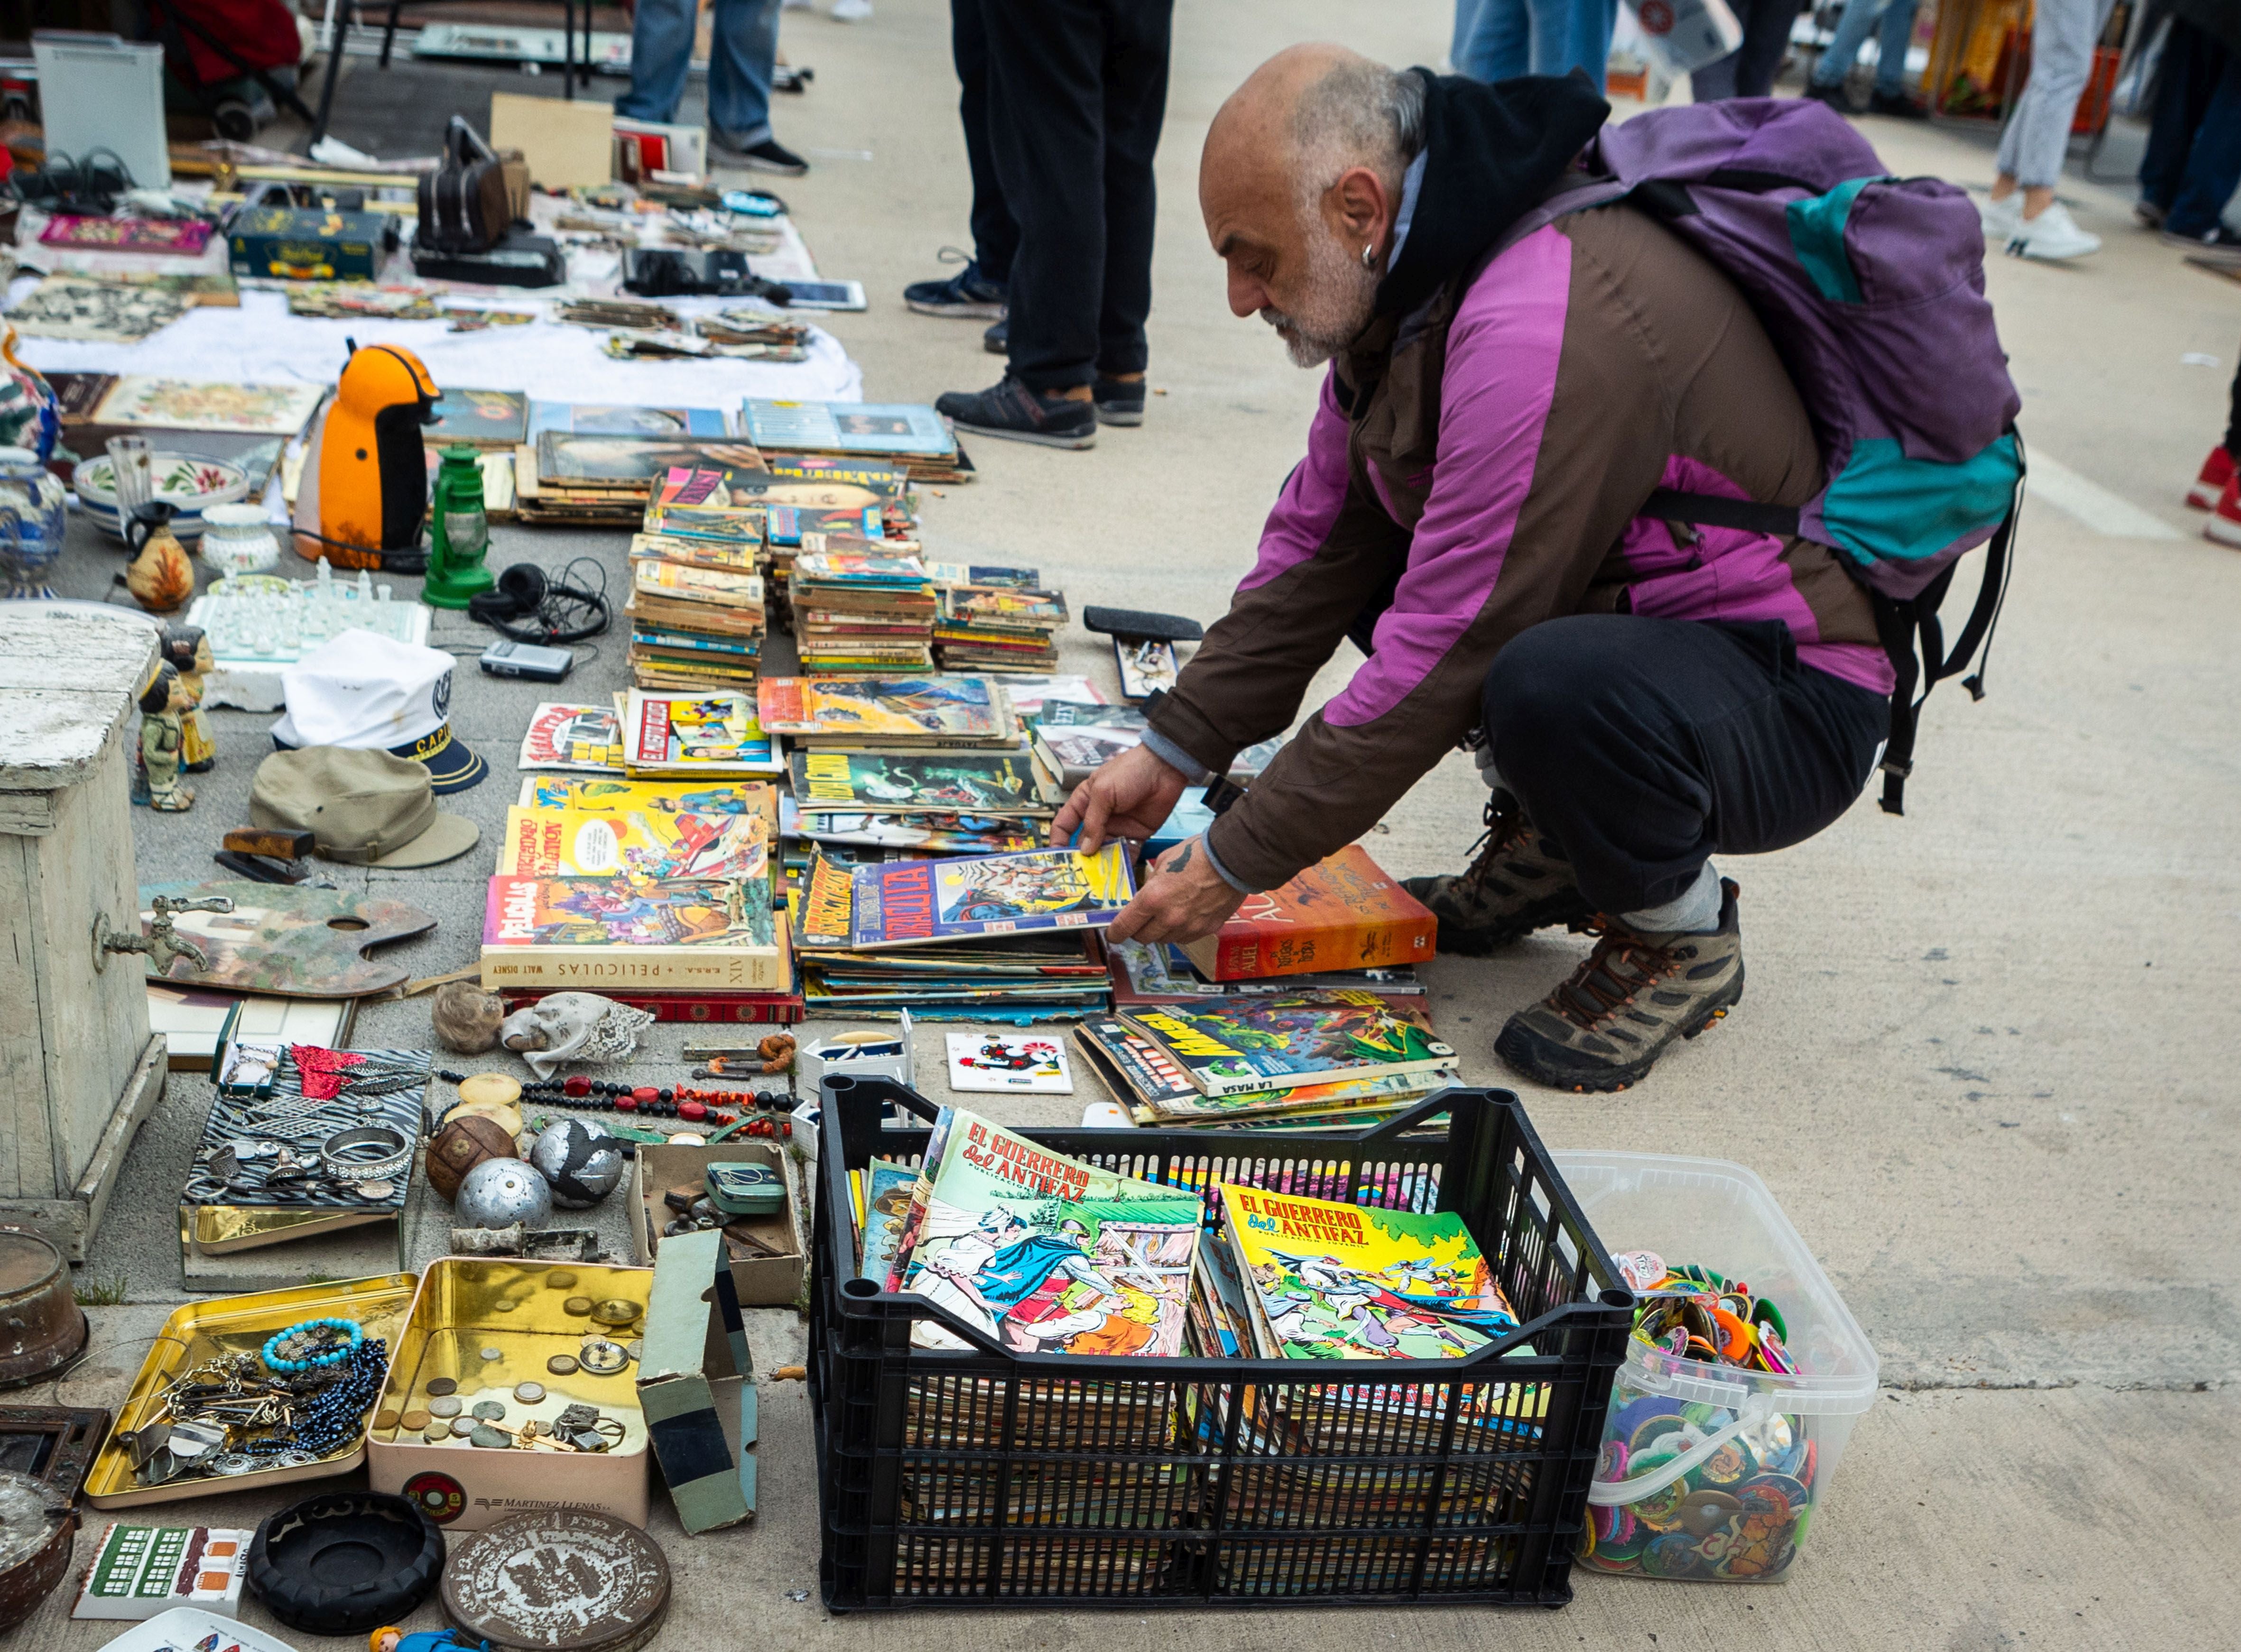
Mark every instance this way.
x=1466 y=18
x=2213 y=164
x=1500 y=43
x=661 y=47
x=1891 y=43
x=1586 y=39
x=742 y=51
x=1852 y=31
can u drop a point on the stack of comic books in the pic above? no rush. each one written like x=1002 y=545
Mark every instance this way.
x=585 y=825
x=993 y=938
x=963 y=712
x=999 y=628
x=1074 y=740
x=1158 y=1092
x=964 y=802
x=866 y=608
x=910 y=435
x=692 y=625
x=693 y=735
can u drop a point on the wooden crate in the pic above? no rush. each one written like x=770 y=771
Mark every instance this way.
x=79 y=1070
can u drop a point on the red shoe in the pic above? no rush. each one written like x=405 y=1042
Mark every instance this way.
x=2224 y=524
x=2216 y=479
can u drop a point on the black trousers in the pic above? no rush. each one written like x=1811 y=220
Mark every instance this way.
x=995 y=238
x=1749 y=71
x=1642 y=747
x=1078 y=90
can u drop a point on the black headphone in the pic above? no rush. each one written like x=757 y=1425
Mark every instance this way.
x=529 y=606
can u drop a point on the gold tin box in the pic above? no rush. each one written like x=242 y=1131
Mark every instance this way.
x=478 y=1330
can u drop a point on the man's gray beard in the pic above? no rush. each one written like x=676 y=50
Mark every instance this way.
x=1341 y=293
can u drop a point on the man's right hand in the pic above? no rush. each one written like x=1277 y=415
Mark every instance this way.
x=1130 y=796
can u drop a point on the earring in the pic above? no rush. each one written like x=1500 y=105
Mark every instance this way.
x=1368 y=254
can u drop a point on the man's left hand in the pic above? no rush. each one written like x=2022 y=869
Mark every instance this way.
x=1185 y=898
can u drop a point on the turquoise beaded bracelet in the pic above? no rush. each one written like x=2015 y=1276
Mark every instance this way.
x=333 y=1356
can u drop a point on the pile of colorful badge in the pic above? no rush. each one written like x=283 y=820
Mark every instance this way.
x=1737 y=1510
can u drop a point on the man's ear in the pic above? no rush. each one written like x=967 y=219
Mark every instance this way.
x=1357 y=209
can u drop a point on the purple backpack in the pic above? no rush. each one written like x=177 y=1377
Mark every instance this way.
x=1872 y=288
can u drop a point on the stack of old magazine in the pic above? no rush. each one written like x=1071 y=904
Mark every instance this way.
x=1316 y=1060
x=862 y=608
x=997 y=628
x=961 y=802
x=910 y=435
x=1075 y=741
x=638 y=862
x=985 y=938
x=696 y=605
x=965 y=712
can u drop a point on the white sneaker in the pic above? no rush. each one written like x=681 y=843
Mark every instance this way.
x=850 y=10
x=2052 y=234
x=2000 y=218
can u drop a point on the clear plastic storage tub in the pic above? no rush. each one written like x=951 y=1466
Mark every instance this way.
x=1708 y=1471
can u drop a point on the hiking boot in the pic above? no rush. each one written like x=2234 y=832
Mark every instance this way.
x=1514 y=887
x=968 y=294
x=1119 y=401
x=1605 y=1027
x=1018 y=414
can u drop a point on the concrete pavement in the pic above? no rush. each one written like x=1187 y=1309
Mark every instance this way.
x=1984 y=1060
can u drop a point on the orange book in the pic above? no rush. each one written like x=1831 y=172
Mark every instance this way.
x=1343 y=914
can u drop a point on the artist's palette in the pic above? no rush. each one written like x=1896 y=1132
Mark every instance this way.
x=188 y=484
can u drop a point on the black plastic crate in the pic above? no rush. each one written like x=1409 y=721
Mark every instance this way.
x=993 y=1478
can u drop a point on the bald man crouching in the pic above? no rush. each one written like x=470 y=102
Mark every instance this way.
x=1497 y=412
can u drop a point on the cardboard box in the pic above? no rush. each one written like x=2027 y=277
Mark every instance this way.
x=466 y=1305
x=514 y=166
x=567 y=142
x=759 y=1282
x=303 y=244
x=697 y=1386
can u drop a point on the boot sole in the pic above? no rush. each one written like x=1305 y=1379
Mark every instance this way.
x=960 y=312
x=1559 y=1069
x=1040 y=439
x=1124 y=416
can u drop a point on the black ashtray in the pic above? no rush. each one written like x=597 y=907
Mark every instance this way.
x=345 y=1563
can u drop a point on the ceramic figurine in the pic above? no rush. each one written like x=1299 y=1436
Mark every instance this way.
x=161 y=578
x=33 y=512
x=163 y=734
x=188 y=649
x=30 y=415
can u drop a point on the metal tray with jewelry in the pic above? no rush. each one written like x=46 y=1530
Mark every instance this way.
x=243 y=1391
x=514 y=1387
x=330 y=1143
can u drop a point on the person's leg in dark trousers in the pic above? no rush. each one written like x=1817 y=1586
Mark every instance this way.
x=995 y=238
x=2186 y=76
x=2213 y=163
x=1135 y=109
x=1749 y=71
x=1639 y=748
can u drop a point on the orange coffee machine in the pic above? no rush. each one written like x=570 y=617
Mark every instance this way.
x=372 y=474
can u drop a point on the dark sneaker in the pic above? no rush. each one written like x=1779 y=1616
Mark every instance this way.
x=1605 y=1027
x=1896 y=106
x=997 y=341
x=785 y=77
x=968 y=294
x=1012 y=411
x=1835 y=96
x=1119 y=401
x=2220 y=245
x=769 y=156
x=1514 y=887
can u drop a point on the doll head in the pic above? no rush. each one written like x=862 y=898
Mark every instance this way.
x=157 y=694
x=383 y=1639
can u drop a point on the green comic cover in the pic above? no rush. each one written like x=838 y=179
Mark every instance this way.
x=1006 y=783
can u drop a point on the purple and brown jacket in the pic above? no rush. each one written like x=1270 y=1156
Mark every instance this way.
x=1499 y=440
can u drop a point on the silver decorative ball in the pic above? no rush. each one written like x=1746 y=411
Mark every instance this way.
x=500 y=1192
x=582 y=1162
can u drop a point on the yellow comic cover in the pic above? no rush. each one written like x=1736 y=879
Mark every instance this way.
x=1338 y=1281
x=635 y=843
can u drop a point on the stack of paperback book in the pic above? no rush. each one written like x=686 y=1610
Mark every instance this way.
x=655 y=892
x=1317 y=1059
x=866 y=609
x=914 y=436
x=692 y=625
x=965 y=712
x=999 y=628
x=953 y=802
x=990 y=938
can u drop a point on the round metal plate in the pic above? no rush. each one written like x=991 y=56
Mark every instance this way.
x=558 y=1580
